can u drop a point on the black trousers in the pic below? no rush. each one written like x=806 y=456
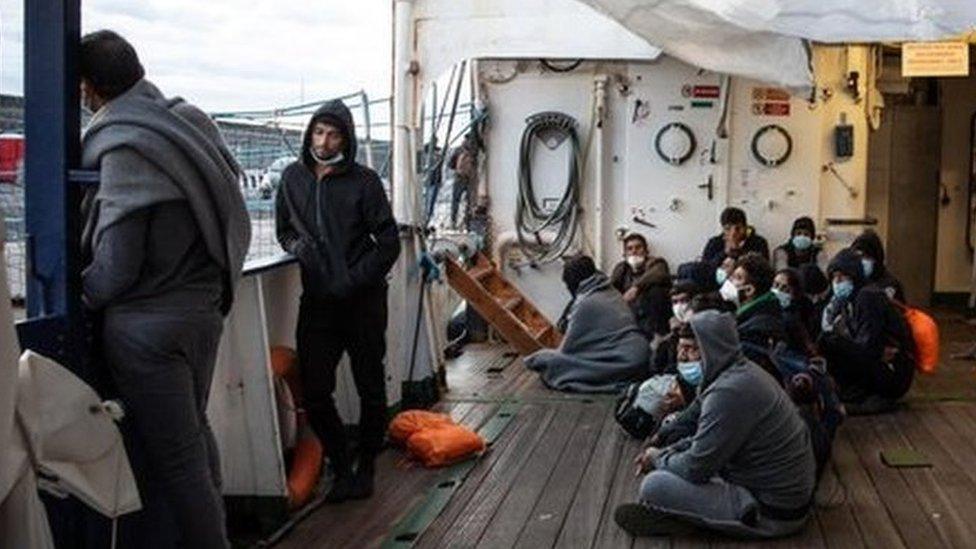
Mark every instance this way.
x=327 y=330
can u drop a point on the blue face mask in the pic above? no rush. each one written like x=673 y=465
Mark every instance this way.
x=784 y=298
x=843 y=289
x=720 y=276
x=867 y=265
x=691 y=372
x=802 y=242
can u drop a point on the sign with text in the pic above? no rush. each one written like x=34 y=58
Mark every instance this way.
x=935 y=59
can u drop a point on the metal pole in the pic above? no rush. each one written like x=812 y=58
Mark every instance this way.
x=368 y=139
x=52 y=120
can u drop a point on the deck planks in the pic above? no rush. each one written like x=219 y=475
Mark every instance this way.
x=555 y=476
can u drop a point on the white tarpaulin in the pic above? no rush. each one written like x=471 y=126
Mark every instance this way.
x=761 y=39
x=448 y=31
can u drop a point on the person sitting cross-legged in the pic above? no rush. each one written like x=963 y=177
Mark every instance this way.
x=747 y=471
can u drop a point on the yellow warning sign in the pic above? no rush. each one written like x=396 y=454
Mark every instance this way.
x=935 y=59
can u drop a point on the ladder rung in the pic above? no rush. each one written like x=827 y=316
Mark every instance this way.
x=513 y=303
x=542 y=333
x=480 y=273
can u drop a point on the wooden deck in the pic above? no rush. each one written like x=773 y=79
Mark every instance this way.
x=556 y=473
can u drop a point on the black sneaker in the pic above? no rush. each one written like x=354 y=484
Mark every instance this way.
x=362 y=485
x=342 y=487
x=641 y=522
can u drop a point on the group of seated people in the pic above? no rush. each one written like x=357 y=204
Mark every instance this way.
x=732 y=448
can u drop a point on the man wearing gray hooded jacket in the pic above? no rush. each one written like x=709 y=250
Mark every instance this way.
x=333 y=215
x=747 y=471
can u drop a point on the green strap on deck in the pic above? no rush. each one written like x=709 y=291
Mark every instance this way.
x=410 y=528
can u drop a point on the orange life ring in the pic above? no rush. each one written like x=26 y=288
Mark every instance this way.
x=306 y=461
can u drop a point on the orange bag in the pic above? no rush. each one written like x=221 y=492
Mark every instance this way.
x=444 y=445
x=407 y=423
x=925 y=332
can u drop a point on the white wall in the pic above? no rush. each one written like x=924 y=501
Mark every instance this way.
x=953 y=259
x=636 y=180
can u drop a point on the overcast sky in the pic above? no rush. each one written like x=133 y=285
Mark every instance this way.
x=236 y=54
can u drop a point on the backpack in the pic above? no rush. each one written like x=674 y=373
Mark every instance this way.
x=639 y=405
x=925 y=334
x=813 y=391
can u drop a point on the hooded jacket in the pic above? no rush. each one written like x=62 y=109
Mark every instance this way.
x=869 y=324
x=340 y=228
x=749 y=432
x=869 y=243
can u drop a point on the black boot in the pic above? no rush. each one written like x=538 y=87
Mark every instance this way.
x=362 y=485
x=640 y=521
x=342 y=480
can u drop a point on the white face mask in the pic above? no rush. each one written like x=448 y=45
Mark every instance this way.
x=331 y=161
x=682 y=311
x=635 y=261
x=729 y=292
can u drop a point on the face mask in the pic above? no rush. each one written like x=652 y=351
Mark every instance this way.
x=635 y=261
x=867 y=265
x=682 y=311
x=729 y=292
x=784 y=298
x=802 y=242
x=331 y=161
x=721 y=276
x=691 y=371
x=843 y=289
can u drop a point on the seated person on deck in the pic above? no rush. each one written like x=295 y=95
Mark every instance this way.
x=801 y=249
x=748 y=470
x=644 y=282
x=737 y=237
x=867 y=344
x=602 y=350
x=876 y=274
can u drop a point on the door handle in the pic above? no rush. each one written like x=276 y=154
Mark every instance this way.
x=710 y=185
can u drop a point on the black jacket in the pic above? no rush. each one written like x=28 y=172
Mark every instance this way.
x=869 y=243
x=869 y=324
x=714 y=251
x=341 y=228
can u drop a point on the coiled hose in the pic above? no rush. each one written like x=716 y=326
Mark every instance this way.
x=545 y=235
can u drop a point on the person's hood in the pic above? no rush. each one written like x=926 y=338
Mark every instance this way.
x=869 y=243
x=718 y=340
x=336 y=113
x=847 y=261
x=803 y=223
x=596 y=282
x=701 y=273
x=813 y=279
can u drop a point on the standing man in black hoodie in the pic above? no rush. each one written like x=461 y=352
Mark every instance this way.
x=333 y=215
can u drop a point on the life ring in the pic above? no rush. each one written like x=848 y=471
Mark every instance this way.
x=679 y=158
x=305 y=467
x=767 y=161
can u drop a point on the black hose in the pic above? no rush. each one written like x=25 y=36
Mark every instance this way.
x=532 y=221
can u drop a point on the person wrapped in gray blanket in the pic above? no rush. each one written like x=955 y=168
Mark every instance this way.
x=602 y=350
x=165 y=237
x=748 y=470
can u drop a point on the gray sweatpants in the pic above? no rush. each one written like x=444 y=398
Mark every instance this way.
x=162 y=364
x=715 y=505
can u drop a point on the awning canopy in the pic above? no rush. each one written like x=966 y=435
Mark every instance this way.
x=762 y=39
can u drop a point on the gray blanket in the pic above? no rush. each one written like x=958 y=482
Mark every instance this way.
x=603 y=350
x=184 y=143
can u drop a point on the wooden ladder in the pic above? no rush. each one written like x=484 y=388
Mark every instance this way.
x=502 y=305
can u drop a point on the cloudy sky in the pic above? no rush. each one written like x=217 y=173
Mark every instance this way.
x=236 y=54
